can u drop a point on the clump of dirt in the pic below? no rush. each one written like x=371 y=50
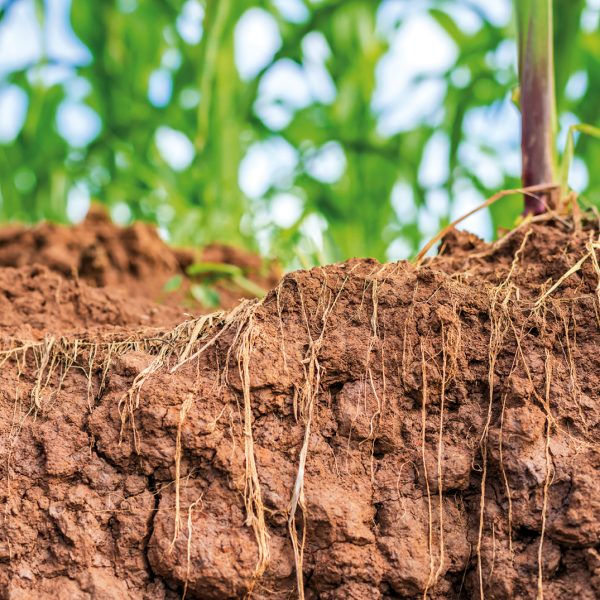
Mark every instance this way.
x=364 y=431
x=135 y=258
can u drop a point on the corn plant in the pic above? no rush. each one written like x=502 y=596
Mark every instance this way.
x=538 y=107
x=537 y=97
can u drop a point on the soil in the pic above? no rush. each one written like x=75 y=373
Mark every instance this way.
x=133 y=258
x=381 y=431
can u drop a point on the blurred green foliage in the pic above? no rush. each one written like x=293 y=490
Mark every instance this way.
x=380 y=199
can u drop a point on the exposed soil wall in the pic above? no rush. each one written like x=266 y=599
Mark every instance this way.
x=385 y=431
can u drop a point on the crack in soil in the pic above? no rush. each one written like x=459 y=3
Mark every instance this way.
x=150 y=526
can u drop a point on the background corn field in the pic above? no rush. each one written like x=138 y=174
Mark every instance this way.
x=307 y=130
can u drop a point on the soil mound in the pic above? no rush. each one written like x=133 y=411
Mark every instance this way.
x=135 y=258
x=365 y=431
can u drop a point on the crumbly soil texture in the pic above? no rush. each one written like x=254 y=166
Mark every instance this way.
x=134 y=260
x=365 y=431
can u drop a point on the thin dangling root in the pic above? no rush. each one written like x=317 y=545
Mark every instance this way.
x=440 y=478
x=548 y=478
x=191 y=507
x=505 y=479
x=185 y=407
x=255 y=510
x=424 y=398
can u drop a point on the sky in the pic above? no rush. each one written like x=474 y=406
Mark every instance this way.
x=418 y=47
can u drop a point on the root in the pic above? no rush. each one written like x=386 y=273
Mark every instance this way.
x=191 y=507
x=255 y=510
x=565 y=276
x=500 y=243
x=500 y=324
x=235 y=335
x=179 y=343
x=185 y=407
x=528 y=191
x=374 y=342
x=576 y=390
x=308 y=394
x=505 y=479
x=44 y=358
x=540 y=584
x=430 y=578
x=596 y=265
x=407 y=353
x=440 y=477
x=591 y=246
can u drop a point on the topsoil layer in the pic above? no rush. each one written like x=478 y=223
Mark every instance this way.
x=365 y=431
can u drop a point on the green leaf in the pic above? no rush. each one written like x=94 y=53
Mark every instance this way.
x=449 y=25
x=173 y=284
x=569 y=151
x=249 y=286
x=206 y=295
x=214 y=268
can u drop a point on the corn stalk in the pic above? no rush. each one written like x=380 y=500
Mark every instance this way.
x=537 y=98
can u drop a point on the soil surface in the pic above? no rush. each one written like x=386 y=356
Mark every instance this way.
x=133 y=258
x=365 y=431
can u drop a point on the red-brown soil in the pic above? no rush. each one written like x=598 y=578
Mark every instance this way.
x=131 y=258
x=416 y=431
